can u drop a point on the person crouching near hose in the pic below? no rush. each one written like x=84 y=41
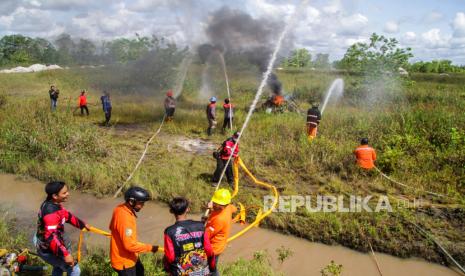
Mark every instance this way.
x=124 y=247
x=187 y=245
x=366 y=155
x=219 y=222
x=222 y=156
x=50 y=236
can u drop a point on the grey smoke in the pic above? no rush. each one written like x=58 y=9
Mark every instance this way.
x=236 y=32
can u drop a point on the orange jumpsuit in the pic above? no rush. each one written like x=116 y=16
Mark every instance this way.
x=219 y=227
x=366 y=156
x=124 y=247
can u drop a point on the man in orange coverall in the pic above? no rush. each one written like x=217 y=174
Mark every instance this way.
x=124 y=247
x=219 y=222
x=365 y=155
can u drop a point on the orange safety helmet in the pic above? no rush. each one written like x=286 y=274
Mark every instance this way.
x=169 y=93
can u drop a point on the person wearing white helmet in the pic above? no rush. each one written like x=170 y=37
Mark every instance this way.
x=211 y=115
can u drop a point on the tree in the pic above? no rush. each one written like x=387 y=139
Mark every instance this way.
x=321 y=61
x=299 y=58
x=65 y=47
x=378 y=56
x=123 y=50
x=84 y=52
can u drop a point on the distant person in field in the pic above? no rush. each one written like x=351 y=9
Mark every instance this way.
x=106 y=106
x=83 y=103
x=228 y=114
x=51 y=243
x=366 y=155
x=211 y=115
x=187 y=245
x=313 y=120
x=53 y=92
x=170 y=106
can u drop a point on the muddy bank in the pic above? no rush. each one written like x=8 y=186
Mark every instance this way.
x=24 y=197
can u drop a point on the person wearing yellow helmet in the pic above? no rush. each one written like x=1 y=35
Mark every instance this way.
x=219 y=222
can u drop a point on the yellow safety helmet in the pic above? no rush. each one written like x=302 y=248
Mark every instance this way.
x=222 y=197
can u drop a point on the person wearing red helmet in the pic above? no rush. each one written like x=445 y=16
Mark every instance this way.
x=170 y=106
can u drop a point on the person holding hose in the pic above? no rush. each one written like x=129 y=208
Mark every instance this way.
x=366 y=155
x=211 y=115
x=170 y=106
x=219 y=222
x=222 y=157
x=313 y=120
x=52 y=245
x=228 y=114
x=106 y=106
x=83 y=103
x=124 y=247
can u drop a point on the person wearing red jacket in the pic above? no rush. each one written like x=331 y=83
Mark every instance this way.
x=225 y=151
x=83 y=103
x=187 y=245
x=365 y=155
x=50 y=235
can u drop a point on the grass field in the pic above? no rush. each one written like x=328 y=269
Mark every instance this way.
x=417 y=126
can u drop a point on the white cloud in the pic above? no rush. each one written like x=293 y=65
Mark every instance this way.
x=433 y=17
x=409 y=38
x=353 y=24
x=334 y=7
x=459 y=25
x=391 y=27
x=434 y=39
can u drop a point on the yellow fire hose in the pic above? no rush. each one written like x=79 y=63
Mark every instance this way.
x=260 y=216
x=99 y=232
x=240 y=217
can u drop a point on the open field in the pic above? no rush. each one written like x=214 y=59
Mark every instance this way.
x=417 y=127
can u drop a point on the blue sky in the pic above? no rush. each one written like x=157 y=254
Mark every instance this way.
x=434 y=29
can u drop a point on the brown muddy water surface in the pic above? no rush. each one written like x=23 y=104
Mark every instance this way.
x=22 y=198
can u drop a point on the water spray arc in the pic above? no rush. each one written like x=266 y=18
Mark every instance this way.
x=263 y=83
x=223 y=63
x=337 y=87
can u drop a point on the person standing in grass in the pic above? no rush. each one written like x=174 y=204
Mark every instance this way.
x=124 y=247
x=366 y=155
x=51 y=243
x=225 y=151
x=170 y=106
x=228 y=114
x=211 y=115
x=83 y=103
x=53 y=92
x=106 y=105
x=313 y=120
x=219 y=222
x=187 y=245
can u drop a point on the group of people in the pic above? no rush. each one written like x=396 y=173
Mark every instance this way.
x=190 y=247
x=228 y=118
x=82 y=103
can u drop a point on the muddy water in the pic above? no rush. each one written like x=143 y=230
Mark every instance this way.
x=24 y=197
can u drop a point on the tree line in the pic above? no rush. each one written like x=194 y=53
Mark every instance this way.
x=380 y=54
x=65 y=50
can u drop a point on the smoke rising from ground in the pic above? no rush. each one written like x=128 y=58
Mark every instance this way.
x=236 y=32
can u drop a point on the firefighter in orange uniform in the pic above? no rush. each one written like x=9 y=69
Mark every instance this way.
x=124 y=247
x=365 y=155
